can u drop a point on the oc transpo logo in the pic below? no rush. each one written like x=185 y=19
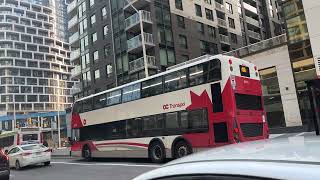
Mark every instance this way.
x=173 y=106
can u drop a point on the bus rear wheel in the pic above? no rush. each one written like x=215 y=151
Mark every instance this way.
x=86 y=153
x=157 y=152
x=181 y=149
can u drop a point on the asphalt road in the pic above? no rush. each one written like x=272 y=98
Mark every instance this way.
x=102 y=169
x=73 y=169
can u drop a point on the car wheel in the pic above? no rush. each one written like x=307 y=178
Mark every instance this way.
x=181 y=149
x=86 y=153
x=157 y=152
x=47 y=163
x=18 y=166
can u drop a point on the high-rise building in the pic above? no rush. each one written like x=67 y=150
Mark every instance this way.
x=35 y=67
x=118 y=41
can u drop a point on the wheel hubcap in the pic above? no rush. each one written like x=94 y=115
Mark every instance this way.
x=86 y=153
x=157 y=152
x=182 y=151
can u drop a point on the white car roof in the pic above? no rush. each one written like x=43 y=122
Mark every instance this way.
x=283 y=158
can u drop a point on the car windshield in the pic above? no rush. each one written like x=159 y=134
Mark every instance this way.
x=32 y=147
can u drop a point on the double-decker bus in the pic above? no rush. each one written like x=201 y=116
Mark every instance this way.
x=206 y=102
x=23 y=135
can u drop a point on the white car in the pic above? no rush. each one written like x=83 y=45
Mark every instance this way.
x=293 y=158
x=30 y=154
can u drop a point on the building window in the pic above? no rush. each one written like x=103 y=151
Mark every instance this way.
x=84 y=43
x=208 y=48
x=200 y=27
x=85 y=61
x=198 y=10
x=94 y=37
x=93 y=19
x=234 y=38
x=183 y=41
x=212 y=31
x=107 y=51
x=229 y=8
x=104 y=12
x=97 y=74
x=91 y=3
x=272 y=97
x=209 y=14
x=208 y=1
x=179 y=4
x=83 y=25
x=184 y=58
x=105 y=30
x=231 y=23
x=95 y=55
x=180 y=21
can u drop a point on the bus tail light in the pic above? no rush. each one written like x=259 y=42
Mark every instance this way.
x=236 y=131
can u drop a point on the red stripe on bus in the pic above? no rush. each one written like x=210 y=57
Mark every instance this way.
x=124 y=143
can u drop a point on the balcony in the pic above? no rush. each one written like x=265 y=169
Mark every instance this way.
x=224 y=39
x=138 y=4
x=222 y=22
x=138 y=64
x=132 y=23
x=76 y=71
x=254 y=35
x=135 y=43
x=74 y=54
x=252 y=21
x=72 y=22
x=74 y=38
x=250 y=8
x=220 y=7
x=76 y=88
x=72 y=6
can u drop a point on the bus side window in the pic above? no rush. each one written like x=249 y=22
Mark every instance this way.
x=99 y=101
x=196 y=76
x=212 y=70
x=134 y=128
x=151 y=87
x=175 y=80
x=87 y=105
x=78 y=107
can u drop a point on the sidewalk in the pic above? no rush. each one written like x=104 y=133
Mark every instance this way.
x=61 y=152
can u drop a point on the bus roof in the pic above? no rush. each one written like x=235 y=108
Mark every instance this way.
x=177 y=67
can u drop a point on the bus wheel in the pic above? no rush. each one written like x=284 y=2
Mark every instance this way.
x=181 y=149
x=86 y=153
x=157 y=152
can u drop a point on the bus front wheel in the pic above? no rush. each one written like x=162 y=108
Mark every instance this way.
x=181 y=149
x=157 y=152
x=86 y=153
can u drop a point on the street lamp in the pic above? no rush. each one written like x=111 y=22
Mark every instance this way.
x=144 y=51
x=58 y=114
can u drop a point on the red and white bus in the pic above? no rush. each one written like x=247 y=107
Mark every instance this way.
x=206 y=102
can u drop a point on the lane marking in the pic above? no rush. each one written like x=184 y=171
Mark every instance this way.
x=299 y=134
x=275 y=135
x=107 y=164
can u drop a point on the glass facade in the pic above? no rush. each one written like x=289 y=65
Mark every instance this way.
x=300 y=54
x=272 y=98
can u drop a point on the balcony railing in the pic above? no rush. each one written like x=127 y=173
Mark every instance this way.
x=72 y=6
x=224 y=39
x=250 y=8
x=136 y=3
x=76 y=71
x=259 y=46
x=136 y=41
x=74 y=38
x=252 y=21
x=222 y=22
x=72 y=22
x=254 y=34
x=138 y=64
x=74 y=54
x=219 y=6
x=135 y=19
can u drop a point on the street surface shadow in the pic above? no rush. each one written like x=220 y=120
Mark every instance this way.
x=122 y=160
x=31 y=167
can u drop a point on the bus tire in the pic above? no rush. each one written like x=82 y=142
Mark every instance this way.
x=86 y=153
x=181 y=149
x=157 y=152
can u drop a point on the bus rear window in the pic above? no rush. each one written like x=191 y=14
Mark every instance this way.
x=29 y=137
x=248 y=102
